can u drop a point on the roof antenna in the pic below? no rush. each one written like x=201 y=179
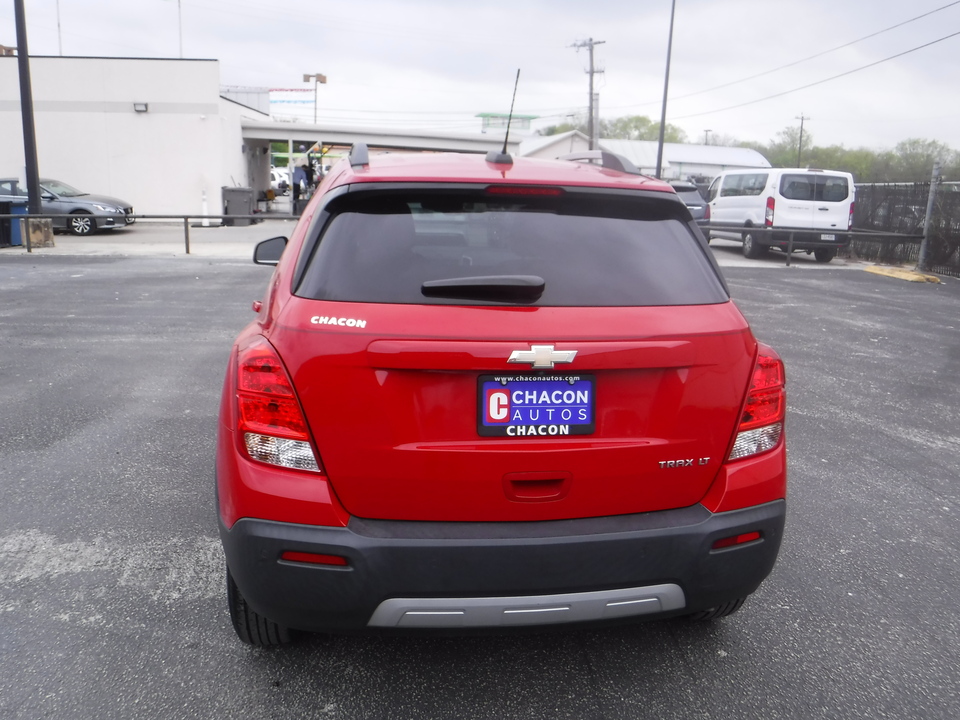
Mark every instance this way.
x=503 y=157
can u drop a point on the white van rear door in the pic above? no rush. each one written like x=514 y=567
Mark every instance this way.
x=814 y=200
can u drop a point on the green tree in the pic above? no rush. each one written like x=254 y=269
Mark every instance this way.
x=915 y=158
x=629 y=127
x=560 y=129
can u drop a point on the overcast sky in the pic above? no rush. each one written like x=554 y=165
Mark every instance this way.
x=434 y=64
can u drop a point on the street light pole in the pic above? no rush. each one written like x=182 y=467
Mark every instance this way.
x=318 y=78
x=666 y=86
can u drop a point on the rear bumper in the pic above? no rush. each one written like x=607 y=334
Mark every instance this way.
x=431 y=574
x=804 y=240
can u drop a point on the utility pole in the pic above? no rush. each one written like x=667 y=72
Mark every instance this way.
x=801 y=118
x=592 y=129
x=706 y=136
x=931 y=197
x=26 y=112
x=666 y=86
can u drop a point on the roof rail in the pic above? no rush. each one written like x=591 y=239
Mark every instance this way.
x=608 y=160
x=359 y=155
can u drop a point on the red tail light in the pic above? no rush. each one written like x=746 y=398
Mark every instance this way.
x=706 y=213
x=761 y=422
x=768 y=215
x=273 y=426
x=850 y=218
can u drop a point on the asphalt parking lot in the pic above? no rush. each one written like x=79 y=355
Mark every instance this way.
x=111 y=587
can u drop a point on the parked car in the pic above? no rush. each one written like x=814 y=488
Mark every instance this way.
x=817 y=204
x=495 y=393
x=89 y=212
x=279 y=180
x=690 y=194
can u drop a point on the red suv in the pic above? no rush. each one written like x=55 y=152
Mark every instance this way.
x=492 y=392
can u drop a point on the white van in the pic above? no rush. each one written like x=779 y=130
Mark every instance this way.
x=816 y=204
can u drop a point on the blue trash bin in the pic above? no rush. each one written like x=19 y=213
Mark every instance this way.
x=17 y=207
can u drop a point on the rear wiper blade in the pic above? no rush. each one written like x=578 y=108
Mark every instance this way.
x=498 y=288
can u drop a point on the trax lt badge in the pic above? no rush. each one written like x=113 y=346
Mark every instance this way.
x=543 y=357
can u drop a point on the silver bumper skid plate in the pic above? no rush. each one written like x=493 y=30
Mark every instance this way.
x=527 y=610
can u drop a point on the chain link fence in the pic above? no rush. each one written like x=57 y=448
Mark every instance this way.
x=901 y=208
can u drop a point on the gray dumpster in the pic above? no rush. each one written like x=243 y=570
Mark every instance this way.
x=237 y=201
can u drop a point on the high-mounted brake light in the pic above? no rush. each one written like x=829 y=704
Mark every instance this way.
x=768 y=215
x=761 y=423
x=523 y=190
x=273 y=426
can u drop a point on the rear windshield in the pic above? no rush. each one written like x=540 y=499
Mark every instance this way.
x=589 y=250
x=689 y=194
x=822 y=188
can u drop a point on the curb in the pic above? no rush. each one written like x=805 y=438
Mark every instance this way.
x=901 y=274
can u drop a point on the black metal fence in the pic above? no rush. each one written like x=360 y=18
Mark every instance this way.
x=901 y=208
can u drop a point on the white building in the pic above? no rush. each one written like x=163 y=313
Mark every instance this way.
x=158 y=134
x=680 y=161
x=153 y=132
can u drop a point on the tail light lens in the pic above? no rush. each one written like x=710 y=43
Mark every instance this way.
x=270 y=418
x=761 y=423
x=768 y=215
x=850 y=217
x=706 y=212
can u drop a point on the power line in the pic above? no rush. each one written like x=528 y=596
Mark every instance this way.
x=816 y=55
x=819 y=82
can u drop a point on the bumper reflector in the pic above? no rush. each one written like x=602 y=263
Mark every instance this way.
x=313 y=558
x=751 y=442
x=279 y=451
x=736 y=540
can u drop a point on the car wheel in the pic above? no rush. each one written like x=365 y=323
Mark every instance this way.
x=751 y=248
x=720 y=611
x=251 y=627
x=82 y=224
x=825 y=255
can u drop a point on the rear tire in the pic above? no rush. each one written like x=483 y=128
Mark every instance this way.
x=251 y=627
x=824 y=255
x=715 y=613
x=751 y=248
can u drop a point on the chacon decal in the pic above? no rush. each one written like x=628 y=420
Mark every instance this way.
x=342 y=322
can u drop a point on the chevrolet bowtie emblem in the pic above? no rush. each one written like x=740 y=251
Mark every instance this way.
x=543 y=357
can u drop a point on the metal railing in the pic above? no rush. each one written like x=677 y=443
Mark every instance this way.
x=185 y=219
x=878 y=236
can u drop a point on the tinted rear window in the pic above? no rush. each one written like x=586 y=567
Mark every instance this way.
x=590 y=250
x=822 y=188
x=690 y=197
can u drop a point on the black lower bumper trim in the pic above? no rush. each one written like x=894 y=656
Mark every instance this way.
x=393 y=559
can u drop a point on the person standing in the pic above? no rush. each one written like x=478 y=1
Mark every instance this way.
x=299 y=184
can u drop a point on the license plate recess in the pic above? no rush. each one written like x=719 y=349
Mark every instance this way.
x=536 y=405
